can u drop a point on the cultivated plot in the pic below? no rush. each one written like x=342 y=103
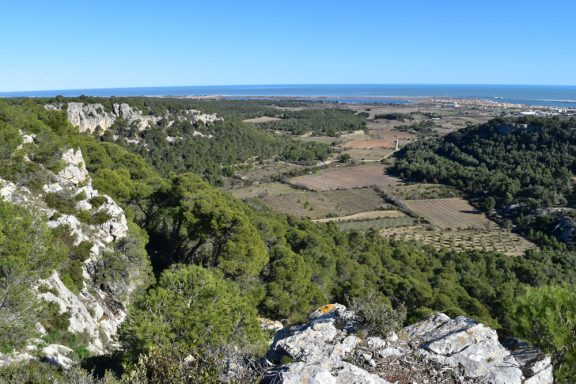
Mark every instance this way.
x=262 y=190
x=452 y=213
x=317 y=205
x=384 y=222
x=362 y=216
x=346 y=178
x=262 y=119
x=369 y=154
x=494 y=240
x=419 y=191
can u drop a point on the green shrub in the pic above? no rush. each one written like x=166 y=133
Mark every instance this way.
x=97 y=201
x=547 y=317
x=61 y=203
x=52 y=320
x=82 y=251
x=101 y=217
x=80 y=196
x=179 y=364
x=376 y=315
x=71 y=276
x=28 y=251
x=33 y=372
x=215 y=313
x=85 y=217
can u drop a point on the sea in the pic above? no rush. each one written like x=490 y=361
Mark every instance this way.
x=544 y=95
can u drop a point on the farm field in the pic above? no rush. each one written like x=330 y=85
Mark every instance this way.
x=419 y=191
x=318 y=205
x=264 y=171
x=369 y=154
x=452 y=213
x=346 y=178
x=356 y=135
x=261 y=190
x=363 y=216
x=262 y=119
x=371 y=144
x=498 y=239
x=385 y=222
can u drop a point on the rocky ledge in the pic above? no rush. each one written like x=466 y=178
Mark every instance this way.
x=328 y=350
x=89 y=117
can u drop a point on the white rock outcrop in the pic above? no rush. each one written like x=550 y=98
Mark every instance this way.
x=438 y=349
x=93 y=312
x=88 y=117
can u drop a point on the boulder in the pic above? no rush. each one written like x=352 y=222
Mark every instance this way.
x=438 y=349
x=57 y=355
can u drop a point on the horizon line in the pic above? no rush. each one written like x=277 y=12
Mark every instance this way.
x=287 y=84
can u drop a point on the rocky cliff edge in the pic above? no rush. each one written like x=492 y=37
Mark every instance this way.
x=328 y=350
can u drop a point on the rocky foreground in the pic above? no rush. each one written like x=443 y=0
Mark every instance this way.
x=328 y=350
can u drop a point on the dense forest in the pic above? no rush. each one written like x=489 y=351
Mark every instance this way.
x=238 y=262
x=522 y=170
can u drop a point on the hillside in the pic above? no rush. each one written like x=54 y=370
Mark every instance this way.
x=218 y=265
x=174 y=136
x=522 y=170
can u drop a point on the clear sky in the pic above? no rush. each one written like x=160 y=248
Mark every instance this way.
x=123 y=43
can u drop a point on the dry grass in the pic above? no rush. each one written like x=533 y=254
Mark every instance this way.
x=346 y=178
x=262 y=119
x=268 y=189
x=362 y=216
x=369 y=154
x=317 y=205
x=385 y=222
x=356 y=135
x=371 y=144
x=267 y=169
x=452 y=213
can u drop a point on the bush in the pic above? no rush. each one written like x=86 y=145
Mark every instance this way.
x=101 y=217
x=28 y=251
x=547 y=317
x=190 y=306
x=35 y=372
x=53 y=320
x=85 y=217
x=82 y=251
x=178 y=364
x=72 y=277
x=80 y=196
x=376 y=315
x=60 y=203
x=97 y=201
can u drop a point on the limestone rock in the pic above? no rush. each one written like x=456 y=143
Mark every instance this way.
x=93 y=312
x=342 y=373
x=74 y=173
x=310 y=344
x=16 y=357
x=438 y=349
x=270 y=325
x=89 y=117
x=57 y=355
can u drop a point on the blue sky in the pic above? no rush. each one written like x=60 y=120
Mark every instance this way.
x=100 y=43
